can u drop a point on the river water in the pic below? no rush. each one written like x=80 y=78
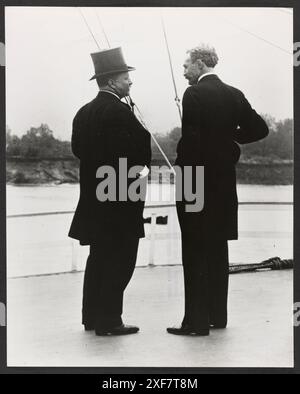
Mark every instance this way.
x=40 y=245
x=33 y=199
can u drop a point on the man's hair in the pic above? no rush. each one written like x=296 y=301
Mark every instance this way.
x=205 y=53
x=102 y=81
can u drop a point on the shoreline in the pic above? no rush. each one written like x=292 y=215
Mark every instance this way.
x=53 y=184
x=21 y=172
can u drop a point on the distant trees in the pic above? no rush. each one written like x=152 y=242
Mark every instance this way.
x=38 y=142
x=168 y=142
x=13 y=147
x=277 y=146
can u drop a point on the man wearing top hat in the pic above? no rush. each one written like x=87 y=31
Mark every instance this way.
x=104 y=131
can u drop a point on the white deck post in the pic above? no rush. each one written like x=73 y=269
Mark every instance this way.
x=152 y=240
x=74 y=265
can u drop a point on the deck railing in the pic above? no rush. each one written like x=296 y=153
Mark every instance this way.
x=151 y=236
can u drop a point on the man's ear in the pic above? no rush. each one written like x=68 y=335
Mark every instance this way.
x=112 y=82
x=200 y=64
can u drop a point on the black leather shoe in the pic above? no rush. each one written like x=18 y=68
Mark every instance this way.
x=187 y=330
x=119 y=330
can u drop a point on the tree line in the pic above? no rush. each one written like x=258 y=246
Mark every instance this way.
x=40 y=143
x=277 y=147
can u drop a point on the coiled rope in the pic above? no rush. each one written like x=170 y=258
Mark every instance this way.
x=274 y=264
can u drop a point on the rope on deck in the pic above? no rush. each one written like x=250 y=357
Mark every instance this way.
x=274 y=263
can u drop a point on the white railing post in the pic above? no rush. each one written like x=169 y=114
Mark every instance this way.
x=152 y=240
x=74 y=264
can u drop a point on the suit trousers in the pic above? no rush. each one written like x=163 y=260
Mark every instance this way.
x=109 y=268
x=206 y=269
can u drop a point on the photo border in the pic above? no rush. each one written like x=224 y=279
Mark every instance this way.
x=150 y=370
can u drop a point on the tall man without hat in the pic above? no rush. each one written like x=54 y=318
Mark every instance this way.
x=105 y=134
x=216 y=118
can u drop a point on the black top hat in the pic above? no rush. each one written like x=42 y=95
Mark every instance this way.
x=109 y=61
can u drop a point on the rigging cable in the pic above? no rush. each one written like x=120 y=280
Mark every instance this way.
x=87 y=25
x=257 y=36
x=90 y=30
x=177 y=99
x=102 y=28
x=128 y=98
x=129 y=101
x=155 y=141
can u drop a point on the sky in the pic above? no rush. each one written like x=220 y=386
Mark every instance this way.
x=48 y=63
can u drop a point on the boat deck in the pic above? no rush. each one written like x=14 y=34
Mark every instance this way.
x=44 y=314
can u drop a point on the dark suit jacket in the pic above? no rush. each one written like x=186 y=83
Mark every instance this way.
x=105 y=130
x=216 y=118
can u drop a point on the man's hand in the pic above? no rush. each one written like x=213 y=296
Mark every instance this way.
x=144 y=172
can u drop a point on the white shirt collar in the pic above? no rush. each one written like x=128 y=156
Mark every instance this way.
x=204 y=75
x=108 y=91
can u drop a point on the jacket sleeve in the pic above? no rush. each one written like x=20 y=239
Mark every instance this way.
x=252 y=127
x=78 y=132
x=75 y=142
x=125 y=136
